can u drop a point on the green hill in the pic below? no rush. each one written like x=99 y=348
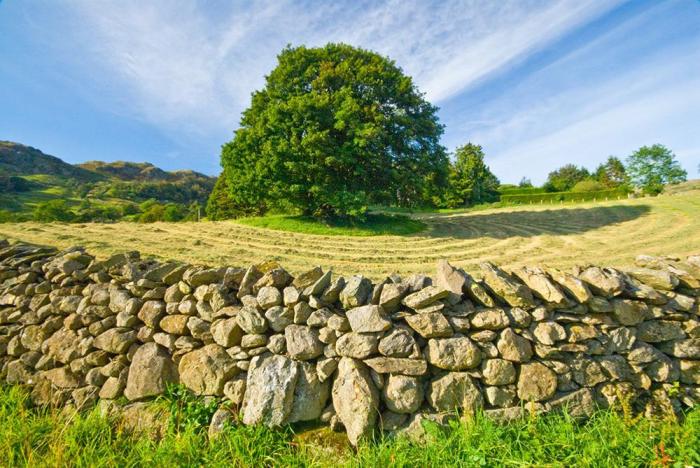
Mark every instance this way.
x=95 y=190
x=20 y=160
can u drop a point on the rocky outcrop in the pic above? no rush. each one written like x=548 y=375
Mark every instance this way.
x=363 y=356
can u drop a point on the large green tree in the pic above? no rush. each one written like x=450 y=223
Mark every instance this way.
x=335 y=129
x=471 y=180
x=652 y=167
x=564 y=178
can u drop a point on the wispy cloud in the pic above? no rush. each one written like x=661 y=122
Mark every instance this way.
x=596 y=101
x=186 y=67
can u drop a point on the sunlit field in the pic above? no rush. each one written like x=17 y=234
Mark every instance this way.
x=608 y=233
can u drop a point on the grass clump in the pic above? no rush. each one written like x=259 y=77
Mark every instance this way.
x=371 y=225
x=48 y=437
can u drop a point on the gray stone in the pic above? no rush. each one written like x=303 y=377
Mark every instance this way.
x=655 y=331
x=603 y=282
x=404 y=366
x=367 y=319
x=514 y=347
x=269 y=296
x=310 y=394
x=490 y=319
x=116 y=340
x=629 y=312
x=356 y=292
x=454 y=391
x=150 y=372
x=227 y=332
x=549 y=333
x=391 y=296
x=251 y=320
x=432 y=325
x=403 y=394
x=269 y=392
x=537 y=382
x=357 y=345
x=503 y=285
x=356 y=400
x=425 y=297
x=397 y=343
x=279 y=317
x=500 y=396
x=458 y=353
x=206 y=370
x=302 y=342
x=657 y=279
x=497 y=372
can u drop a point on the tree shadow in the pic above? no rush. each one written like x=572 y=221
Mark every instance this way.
x=529 y=223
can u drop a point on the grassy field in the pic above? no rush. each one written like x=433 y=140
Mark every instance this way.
x=609 y=233
x=45 y=437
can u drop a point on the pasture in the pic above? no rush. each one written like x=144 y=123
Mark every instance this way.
x=561 y=235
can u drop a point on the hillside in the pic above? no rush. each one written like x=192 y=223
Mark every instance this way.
x=20 y=160
x=144 y=172
x=95 y=190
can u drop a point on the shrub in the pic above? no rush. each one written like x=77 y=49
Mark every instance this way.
x=53 y=210
x=588 y=185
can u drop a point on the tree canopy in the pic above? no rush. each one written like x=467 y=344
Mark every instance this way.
x=564 y=178
x=611 y=173
x=334 y=129
x=652 y=167
x=471 y=180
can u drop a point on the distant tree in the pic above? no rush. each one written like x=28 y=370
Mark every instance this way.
x=525 y=182
x=53 y=210
x=564 y=178
x=471 y=180
x=335 y=129
x=652 y=167
x=611 y=173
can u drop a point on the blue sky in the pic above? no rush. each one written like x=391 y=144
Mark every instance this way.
x=537 y=83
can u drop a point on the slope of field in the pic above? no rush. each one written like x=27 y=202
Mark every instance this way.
x=608 y=233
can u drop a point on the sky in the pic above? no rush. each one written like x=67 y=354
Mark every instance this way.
x=537 y=83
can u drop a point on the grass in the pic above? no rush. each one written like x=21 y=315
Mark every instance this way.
x=608 y=233
x=45 y=437
x=373 y=225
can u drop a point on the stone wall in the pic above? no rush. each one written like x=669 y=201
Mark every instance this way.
x=346 y=351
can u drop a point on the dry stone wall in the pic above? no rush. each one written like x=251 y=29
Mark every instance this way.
x=354 y=354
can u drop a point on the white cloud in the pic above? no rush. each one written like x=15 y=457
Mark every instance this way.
x=603 y=98
x=184 y=67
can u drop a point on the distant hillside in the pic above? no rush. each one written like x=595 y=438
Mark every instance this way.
x=95 y=190
x=131 y=171
x=20 y=160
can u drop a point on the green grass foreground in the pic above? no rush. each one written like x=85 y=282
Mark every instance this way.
x=372 y=225
x=45 y=437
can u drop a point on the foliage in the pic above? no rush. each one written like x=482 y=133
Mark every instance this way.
x=335 y=129
x=471 y=180
x=564 y=178
x=651 y=167
x=9 y=184
x=588 y=185
x=53 y=210
x=611 y=173
x=221 y=204
x=370 y=225
x=187 y=410
x=525 y=182
x=45 y=437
